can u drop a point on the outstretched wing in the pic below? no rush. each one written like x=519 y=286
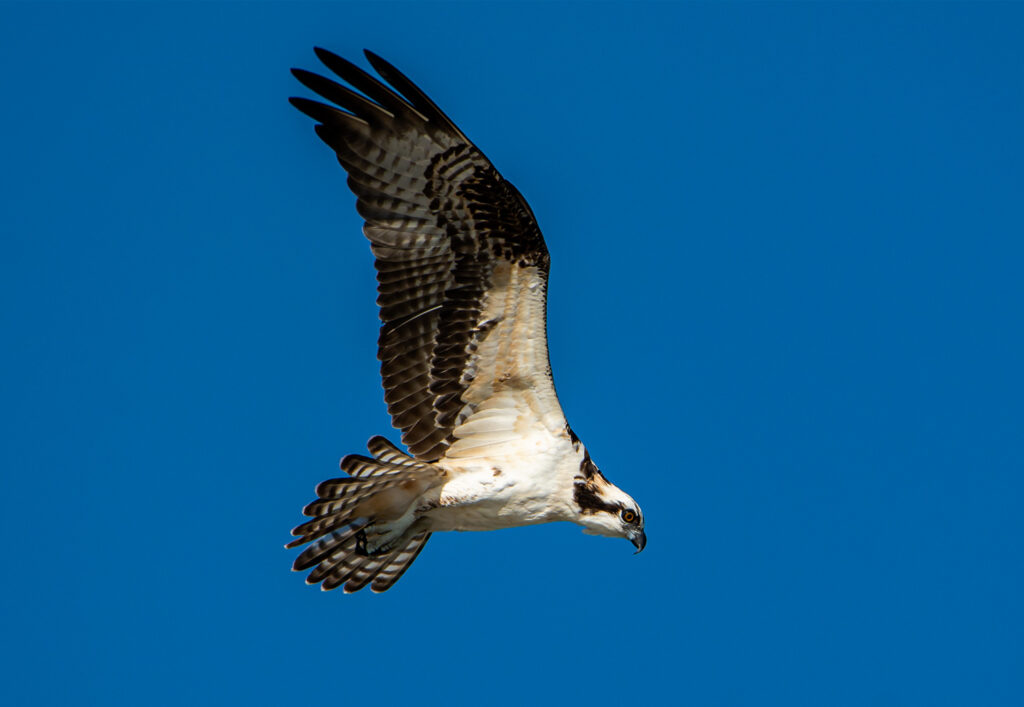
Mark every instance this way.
x=461 y=264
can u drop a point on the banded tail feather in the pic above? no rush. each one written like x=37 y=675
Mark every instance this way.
x=378 y=490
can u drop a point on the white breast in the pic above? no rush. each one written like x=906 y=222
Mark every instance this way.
x=519 y=482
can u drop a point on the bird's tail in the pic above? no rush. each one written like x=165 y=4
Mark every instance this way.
x=377 y=489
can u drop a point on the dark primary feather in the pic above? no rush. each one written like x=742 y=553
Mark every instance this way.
x=412 y=92
x=439 y=217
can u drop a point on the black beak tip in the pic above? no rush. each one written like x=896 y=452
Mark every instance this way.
x=640 y=542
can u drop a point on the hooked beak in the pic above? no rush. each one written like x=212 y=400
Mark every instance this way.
x=639 y=541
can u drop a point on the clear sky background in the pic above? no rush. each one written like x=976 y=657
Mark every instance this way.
x=787 y=253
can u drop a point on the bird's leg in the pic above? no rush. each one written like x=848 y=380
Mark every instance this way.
x=381 y=538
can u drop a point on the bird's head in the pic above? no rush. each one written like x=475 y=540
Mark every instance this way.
x=605 y=509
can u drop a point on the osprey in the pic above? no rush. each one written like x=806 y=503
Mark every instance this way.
x=462 y=273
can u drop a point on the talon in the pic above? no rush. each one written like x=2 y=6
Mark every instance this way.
x=361 y=543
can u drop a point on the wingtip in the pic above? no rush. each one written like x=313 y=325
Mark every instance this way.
x=381 y=65
x=320 y=112
x=314 y=82
x=325 y=55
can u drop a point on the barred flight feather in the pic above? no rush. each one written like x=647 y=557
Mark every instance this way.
x=399 y=564
x=320 y=550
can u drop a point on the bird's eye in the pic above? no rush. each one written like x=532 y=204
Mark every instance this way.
x=628 y=516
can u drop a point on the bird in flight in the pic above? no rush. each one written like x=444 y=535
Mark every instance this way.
x=462 y=272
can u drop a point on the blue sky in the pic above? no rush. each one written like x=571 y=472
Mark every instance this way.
x=787 y=246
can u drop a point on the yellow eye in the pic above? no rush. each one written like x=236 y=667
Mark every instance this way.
x=628 y=516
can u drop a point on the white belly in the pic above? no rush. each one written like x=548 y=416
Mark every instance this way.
x=525 y=483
